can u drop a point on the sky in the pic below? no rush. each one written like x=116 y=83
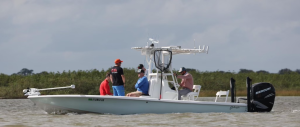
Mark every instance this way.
x=63 y=35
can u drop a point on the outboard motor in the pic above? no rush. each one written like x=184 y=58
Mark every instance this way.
x=262 y=97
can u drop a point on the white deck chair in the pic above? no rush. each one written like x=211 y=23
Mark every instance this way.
x=193 y=95
x=220 y=93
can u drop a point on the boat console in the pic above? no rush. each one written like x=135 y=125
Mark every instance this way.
x=167 y=92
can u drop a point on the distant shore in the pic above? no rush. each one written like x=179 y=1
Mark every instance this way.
x=87 y=82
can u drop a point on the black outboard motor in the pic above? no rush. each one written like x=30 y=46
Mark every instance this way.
x=262 y=97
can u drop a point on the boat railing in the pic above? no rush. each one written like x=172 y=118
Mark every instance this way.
x=158 y=74
x=35 y=91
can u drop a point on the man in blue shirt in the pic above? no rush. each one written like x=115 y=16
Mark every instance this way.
x=142 y=85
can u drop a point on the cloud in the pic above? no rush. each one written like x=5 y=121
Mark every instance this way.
x=54 y=35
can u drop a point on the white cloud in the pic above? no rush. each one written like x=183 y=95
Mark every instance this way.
x=54 y=35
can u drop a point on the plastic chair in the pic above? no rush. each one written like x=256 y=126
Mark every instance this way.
x=193 y=95
x=220 y=93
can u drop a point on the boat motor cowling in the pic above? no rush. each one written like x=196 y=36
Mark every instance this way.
x=262 y=97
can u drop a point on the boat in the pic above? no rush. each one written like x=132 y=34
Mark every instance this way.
x=161 y=99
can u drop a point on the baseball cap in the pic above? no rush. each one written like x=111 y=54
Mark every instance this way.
x=118 y=61
x=182 y=69
x=140 y=66
x=140 y=71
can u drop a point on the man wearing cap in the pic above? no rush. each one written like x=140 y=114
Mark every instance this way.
x=142 y=85
x=187 y=82
x=118 y=79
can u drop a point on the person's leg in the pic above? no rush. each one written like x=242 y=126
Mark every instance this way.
x=135 y=94
x=115 y=92
x=138 y=93
x=179 y=94
x=183 y=92
x=121 y=90
x=129 y=94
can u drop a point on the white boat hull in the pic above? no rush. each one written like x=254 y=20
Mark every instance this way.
x=129 y=105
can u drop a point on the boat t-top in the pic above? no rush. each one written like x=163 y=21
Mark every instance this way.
x=161 y=98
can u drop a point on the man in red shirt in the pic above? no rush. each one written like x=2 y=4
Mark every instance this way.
x=104 y=86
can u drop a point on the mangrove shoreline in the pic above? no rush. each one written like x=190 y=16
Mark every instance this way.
x=87 y=82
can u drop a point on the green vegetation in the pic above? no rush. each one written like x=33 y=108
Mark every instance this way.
x=87 y=82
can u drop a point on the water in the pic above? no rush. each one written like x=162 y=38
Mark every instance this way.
x=23 y=113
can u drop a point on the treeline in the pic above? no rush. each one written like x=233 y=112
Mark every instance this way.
x=282 y=71
x=87 y=82
x=26 y=71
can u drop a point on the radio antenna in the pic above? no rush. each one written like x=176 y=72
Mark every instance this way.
x=194 y=44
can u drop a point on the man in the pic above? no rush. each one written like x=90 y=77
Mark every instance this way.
x=187 y=82
x=142 y=85
x=118 y=79
x=104 y=87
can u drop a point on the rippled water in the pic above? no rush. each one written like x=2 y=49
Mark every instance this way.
x=22 y=113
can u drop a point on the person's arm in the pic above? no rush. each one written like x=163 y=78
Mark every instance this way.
x=144 y=80
x=123 y=78
x=107 y=89
x=100 y=89
x=111 y=78
x=122 y=75
x=184 y=78
x=182 y=83
x=176 y=76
